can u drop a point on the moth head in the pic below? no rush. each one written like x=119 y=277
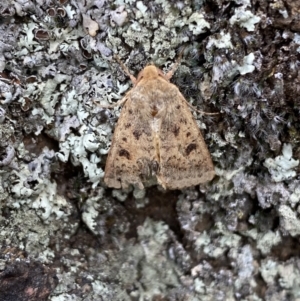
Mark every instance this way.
x=151 y=72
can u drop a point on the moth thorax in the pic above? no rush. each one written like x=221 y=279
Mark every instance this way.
x=150 y=72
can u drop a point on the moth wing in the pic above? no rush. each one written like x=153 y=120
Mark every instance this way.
x=131 y=154
x=184 y=158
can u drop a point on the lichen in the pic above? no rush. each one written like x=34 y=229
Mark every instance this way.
x=245 y=18
x=282 y=167
x=233 y=238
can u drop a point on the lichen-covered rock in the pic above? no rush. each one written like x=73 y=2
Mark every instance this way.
x=235 y=238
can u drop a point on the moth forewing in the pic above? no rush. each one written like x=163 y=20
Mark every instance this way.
x=156 y=134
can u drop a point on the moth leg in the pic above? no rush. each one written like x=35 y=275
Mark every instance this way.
x=125 y=69
x=117 y=104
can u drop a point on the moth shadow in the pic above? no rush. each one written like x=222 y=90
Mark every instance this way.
x=161 y=207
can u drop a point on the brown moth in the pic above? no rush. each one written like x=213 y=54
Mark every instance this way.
x=156 y=135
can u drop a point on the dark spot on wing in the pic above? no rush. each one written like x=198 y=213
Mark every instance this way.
x=182 y=120
x=178 y=107
x=127 y=125
x=130 y=111
x=190 y=148
x=188 y=134
x=124 y=153
x=176 y=130
x=137 y=134
x=124 y=139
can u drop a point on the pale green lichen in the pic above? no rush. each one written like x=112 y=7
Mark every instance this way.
x=245 y=18
x=3 y=192
x=43 y=197
x=120 y=195
x=269 y=270
x=153 y=236
x=217 y=248
x=282 y=274
x=289 y=220
x=267 y=241
x=282 y=167
x=50 y=93
x=295 y=196
x=227 y=176
x=222 y=40
x=77 y=147
x=247 y=66
x=197 y=23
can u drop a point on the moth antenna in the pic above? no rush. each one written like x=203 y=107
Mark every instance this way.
x=175 y=66
x=125 y=69
x=201 y=112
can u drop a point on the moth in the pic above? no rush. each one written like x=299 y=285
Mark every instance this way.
x=157 y=136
